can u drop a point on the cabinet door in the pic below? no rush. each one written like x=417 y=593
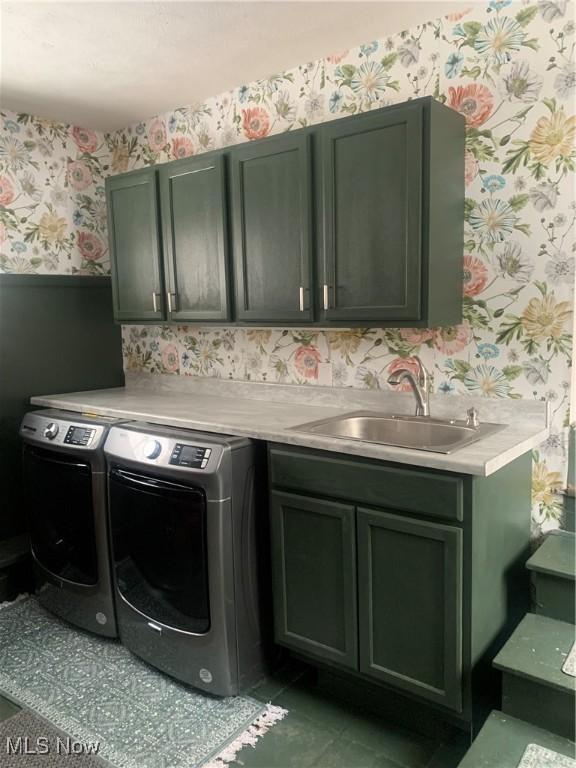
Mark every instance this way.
x=193 y=199
x=372 y=188
x=410 y=598
x=314 y=577
x=272 y=230
x=134 y=233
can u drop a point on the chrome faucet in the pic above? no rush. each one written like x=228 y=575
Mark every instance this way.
x=472 y=420
x=420 y=384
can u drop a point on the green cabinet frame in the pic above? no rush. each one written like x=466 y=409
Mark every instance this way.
x=372 y=201
x=439 y=565
x=315 y=586
x=135 y=249
x=271 y=224
x=379 y=243
x=411 y=634
x=194 y=217
x=371 y=591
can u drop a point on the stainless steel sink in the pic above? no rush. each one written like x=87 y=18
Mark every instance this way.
x=418 y=432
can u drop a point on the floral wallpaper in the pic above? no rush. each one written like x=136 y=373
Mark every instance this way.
x=52 y=205
x=509 y=69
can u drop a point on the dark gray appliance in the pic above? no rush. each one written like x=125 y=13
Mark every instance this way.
x=65 y=499
x=187 y=546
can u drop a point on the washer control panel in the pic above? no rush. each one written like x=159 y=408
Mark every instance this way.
x=51 y=427
x=190 y=456
x=162 y=447
x=79 y=435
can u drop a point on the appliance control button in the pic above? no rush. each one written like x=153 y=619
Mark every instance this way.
x=152 y=449
x=204 y=462
x=51 y=430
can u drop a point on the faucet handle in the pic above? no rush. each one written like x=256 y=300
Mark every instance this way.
x=472 y=420
x=423 y=374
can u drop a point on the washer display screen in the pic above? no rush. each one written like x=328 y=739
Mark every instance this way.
x=79 y=436
x=190 y=456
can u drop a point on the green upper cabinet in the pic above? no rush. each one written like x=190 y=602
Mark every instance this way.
x=193 y=201
x=391 y=251
x=354 y=222
x=372 y=192
x=271 y=214
x=135 y=249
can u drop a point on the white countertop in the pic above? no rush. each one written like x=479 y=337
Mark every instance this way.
x=270 y=411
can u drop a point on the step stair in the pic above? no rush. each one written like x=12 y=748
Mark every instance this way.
x=553 y=569
x=503 y=740
x=534 y=687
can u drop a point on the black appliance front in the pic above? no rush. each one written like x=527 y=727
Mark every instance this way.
x=159 y=548
x=58 y=494
x=186 y=535
x=65 y=502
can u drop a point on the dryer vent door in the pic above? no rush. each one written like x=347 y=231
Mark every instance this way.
x=58 y=498
x=159 y=549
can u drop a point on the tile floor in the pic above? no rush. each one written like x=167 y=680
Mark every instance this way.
x=323 y=732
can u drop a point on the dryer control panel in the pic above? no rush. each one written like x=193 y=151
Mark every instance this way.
x=181 y=451
x=66 y=430
x=79 y=435
x=190 y=456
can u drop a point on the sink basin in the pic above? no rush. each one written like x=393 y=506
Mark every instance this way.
x=418 y=432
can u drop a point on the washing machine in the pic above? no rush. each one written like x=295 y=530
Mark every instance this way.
x=65 y=498
x=189 y=553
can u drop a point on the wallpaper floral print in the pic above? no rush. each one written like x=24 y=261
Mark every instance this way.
x=52 y=206
x=509 y=69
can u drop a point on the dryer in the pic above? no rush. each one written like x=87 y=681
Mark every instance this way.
x=64 y=473
x=189 y=550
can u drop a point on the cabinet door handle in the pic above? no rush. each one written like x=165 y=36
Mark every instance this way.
x=154 y=304
x=326 y=298
x=301 y=298
x=171 y=307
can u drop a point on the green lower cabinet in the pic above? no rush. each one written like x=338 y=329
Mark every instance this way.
x=410 y=605
x=407 y=578
x=314 y=577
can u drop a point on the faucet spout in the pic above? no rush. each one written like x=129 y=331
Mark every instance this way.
x=419 y=383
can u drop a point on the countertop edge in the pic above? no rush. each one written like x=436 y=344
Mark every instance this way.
x=285 y=436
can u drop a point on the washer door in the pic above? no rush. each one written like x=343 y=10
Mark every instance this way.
x=58 y=497
x=159 y=549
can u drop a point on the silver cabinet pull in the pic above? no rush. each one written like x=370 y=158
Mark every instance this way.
x=171 y=297
x=326 y=301
x=301 y=298
x=154 y=304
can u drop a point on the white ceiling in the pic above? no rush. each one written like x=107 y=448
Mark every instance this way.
x=108 y=64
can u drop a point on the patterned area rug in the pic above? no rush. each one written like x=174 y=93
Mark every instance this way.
x=97 y=691
x=536 y=756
